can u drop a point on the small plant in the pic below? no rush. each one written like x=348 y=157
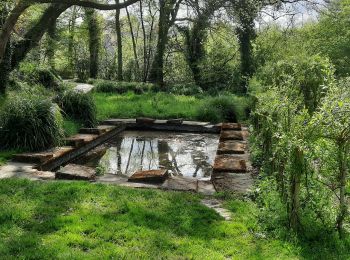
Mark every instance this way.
x=79 y=106
x=101 y=170
x=30 y=122
x=185 y=89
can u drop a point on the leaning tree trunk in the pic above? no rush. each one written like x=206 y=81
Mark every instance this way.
x=34 y=35
x=134 y=47
x=119 y=44
x=94 y=41
x=51 y=45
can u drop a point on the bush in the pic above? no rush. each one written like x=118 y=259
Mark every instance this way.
x=79 y=106
x=43 y=76
x=107 y=86
x=30 y=123
x=83 y=70
x=223 y=109
x=185 y=89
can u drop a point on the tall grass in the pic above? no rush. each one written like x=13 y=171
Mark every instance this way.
x=79 y=106
x=30 y=123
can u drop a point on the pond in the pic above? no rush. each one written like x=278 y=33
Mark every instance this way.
x=182 y=154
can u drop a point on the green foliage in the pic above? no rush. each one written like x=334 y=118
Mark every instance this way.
x=7 y=155
x=223 y=109
x=30 y=122
x=303 y=152
x=83 y=70
x=307 y=75
x=106 y=86
x=79 y=106
x=185 y=89
x=71 y=127
x=43 y=76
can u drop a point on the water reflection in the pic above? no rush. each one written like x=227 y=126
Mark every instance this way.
x=188 y=155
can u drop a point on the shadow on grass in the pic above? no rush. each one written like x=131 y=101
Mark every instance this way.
x=61 y=220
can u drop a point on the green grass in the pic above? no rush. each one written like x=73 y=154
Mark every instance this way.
x=74 y=220
x=71 y=127
x=61 y=220
x=5 y=156
x=160 y=106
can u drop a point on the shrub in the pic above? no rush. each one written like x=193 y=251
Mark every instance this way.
x=222 y=109
x=79 y=106
x=43 y=76
x=30 y=122
x=107 y=86
x=83 y=70
x=185 y=89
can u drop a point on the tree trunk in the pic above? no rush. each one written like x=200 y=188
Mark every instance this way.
x=34 y=35
x=51 y=45
x=342 y=154
x=7 y=27
x=134 y=47
x=71 y=52
x=119 y=44
x=157 y=69
x=144 y=43
x=297 y=172
x=94 y=41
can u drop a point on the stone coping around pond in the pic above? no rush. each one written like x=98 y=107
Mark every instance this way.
x=167 y=125
x=232 y=169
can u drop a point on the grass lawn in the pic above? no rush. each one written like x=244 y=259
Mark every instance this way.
x=61 y=220
x=160 y=106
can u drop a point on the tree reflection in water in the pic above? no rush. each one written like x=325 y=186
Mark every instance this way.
x=188 y=155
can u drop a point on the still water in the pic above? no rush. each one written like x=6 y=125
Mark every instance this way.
x=182 y=154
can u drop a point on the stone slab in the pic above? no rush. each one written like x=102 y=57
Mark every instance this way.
x=119 y=121
x=239 y=183
x=145 y=120
x=73 y=154
x=231 y=147
x=180 y=184
x=152 y=176
x=178 y=121
x=231 y=135
x=229 y=163
x=76 y=172
x=206 y=188
x=216 y=205
x=36 y=158
x=231 y=126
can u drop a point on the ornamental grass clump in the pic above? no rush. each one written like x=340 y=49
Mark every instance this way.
x=30 y=123
x=78 y=106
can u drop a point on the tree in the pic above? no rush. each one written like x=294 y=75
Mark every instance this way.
x=168 y=10
x=94 y=40
x=119 y=43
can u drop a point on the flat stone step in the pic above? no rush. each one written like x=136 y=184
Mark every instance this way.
x=217 y=206
x=229 y=163
x=231 y=135
x=180 y=184
x=231 y=147
x=145 y=120
x=153 y=176
x=96 y=131
x=239 y=183
x=231 y=126
x=80 y=139
x=76 y=172
x=35 y=158
x=178 y=121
